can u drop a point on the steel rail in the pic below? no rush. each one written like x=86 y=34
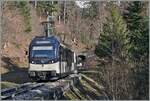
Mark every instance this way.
x=32 y=91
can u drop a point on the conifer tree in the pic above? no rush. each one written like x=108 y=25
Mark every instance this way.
x=137 y=23
x=138 y=26
x=113 y=41
x=113 y=47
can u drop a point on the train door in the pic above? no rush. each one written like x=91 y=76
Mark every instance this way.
x=74 y=61
x=63 y=63
x=70 y=60
x=60 y=59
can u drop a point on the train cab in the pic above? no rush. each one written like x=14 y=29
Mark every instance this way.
x=48 y=58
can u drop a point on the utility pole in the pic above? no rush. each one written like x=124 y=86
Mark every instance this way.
x=59 y=15
x=64 y=11
x=49 y=24
x=118 y=2
x=35 y=3
x=52 y=8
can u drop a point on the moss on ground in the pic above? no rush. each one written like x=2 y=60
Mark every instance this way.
x=8 y=85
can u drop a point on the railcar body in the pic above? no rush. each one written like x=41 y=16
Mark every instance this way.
x=48 y=58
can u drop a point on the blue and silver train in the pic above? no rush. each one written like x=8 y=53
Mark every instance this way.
x=48 y=58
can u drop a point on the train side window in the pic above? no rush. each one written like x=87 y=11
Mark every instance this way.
x=63 y=53
x=61 y=50
x=69 y=57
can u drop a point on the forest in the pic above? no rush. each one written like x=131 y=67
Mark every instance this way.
x=118 y=33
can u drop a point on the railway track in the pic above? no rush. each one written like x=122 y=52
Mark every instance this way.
x=40 y=91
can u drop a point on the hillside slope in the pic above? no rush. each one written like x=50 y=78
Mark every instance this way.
x=15 y=40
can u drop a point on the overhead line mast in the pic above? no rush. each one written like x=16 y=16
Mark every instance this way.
x=50 y=22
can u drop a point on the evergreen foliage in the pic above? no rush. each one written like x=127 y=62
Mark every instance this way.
x=46 y=6
x=113 y=47
x=138 y=26
x=139 y=40
x=113 y=41
x=126 y=47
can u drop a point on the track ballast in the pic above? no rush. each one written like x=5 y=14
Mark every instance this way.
x=40 y=91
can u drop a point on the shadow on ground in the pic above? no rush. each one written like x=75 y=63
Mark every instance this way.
x=15 y=73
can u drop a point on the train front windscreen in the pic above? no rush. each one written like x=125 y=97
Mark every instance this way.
x=43 y=54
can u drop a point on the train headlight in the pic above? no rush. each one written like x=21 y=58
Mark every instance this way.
x=51 y=61
x=32 y=62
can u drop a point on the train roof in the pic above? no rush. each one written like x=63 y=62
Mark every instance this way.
x=41 y=40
